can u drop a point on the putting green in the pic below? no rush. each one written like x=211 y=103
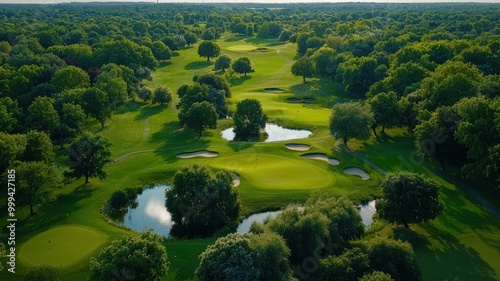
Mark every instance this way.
x=276 y=172
x=241 y=48
x=69 y=244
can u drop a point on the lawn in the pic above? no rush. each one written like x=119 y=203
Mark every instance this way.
x=462 y=243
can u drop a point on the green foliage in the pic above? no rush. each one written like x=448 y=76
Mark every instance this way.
x=303 y=232
x=351 y=120
x=2 y=254
x=215 y=81
x=42 y=115
x=222 y=62
x=87 y=156
x=386 y=110
x=396 y=206
x=96 y=104
x=246 y=257
x=140 y=257
x=393 y=257
x=350 y=266
x=145 y=93
x=345 y=223
x=38 y=147
x=36 y=183
x=358 y=74
x=124 y=52
x=248 y=119
x=10 y=114
x=303 y=67
x=71 y=122
x=42 y=273
x=160 y=50
x=479 y=131
x=12 y=148
x=201 y=116
x=208 y=49
x=79 y=55
x=376 y=276
x=70 y=77
x=323 y=59
x=161 y=95
x=242 y=65
x=200 y=203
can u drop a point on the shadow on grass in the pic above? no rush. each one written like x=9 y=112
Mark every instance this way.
x=57 y=211
x=149 y=111
x=173 y=137
x=451 y=261
x=239 y=81
x=234 y=38
x=164 y=63
x=237 y=146
x=197 y=65
x=132 y=106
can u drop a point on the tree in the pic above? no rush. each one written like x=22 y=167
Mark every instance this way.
x=248 y=119
x=160 y=50
x=345 y=223
x=358 y=74
x=2 y=254
x=303 y=67
x=191 y=38
x=395 y=205
x=201 y=116
x=385 y=110
x=42 y=115
x=217 y=82
x=201 y=203
x=38 y=147
x=245 y=257
x=394 y=257
x=208 y=49
x=115 y=88
x=350 y=266
x=376 y=276
x=96 y=104
x=36 y=183
x=124 y=52
x=72 y=121
x=11 y=149
x=142 y=257
x=351 y=120
x=70 y=77
x=322 y=59
x=10 y=114
x=162 y=94
x=242 y=65
x=222 y=62
x=303 y=232
x=87 y=156
x=42 y=273
x=145 y=93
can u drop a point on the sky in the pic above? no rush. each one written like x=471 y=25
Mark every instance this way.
x=245 y=1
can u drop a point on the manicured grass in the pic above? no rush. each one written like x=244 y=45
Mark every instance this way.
x=462 y=243
x=62 y=246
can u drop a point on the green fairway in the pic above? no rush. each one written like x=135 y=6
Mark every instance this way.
x=62 y=246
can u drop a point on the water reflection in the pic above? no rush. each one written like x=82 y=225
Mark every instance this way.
x=274 y=133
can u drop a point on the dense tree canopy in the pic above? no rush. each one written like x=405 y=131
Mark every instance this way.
x=303 y=67
x=201 y=116
x=140 y=257
x=351 y=120
x=201 y=203
x=87 y=156
x=248 y=119
x=397 y=207
x=208 y=49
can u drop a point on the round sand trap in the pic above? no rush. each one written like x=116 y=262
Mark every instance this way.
x=274 y=90
x=308 y=100
x=357 y=171
x=201 y=153
x=293 y=100
x=297 y=146
x=236 y=180
x=62 y=246
x=321 y=156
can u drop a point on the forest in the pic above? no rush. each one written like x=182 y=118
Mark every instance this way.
x=115 y=93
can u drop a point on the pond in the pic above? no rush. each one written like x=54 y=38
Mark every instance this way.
x=149 y=213
x=366 y=211
x=274 y=133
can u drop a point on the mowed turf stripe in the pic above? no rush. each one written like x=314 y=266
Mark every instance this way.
x=62 y=246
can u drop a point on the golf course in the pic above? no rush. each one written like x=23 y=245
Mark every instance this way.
x=149 y=147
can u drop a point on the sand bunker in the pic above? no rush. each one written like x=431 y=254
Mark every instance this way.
x=274 y=90
x=297 y=147
x=201 y=153
x=236 y=180
x=293 y=100
x=323 y=157
x=357 y=171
